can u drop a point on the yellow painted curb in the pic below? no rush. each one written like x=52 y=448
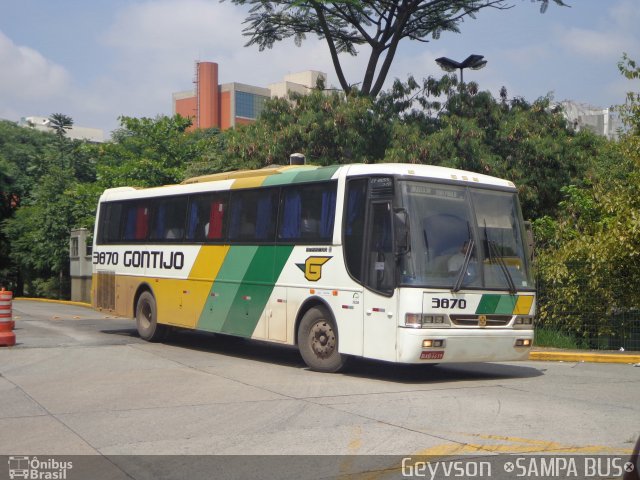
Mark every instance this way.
x=50 y=300
x=585 y=357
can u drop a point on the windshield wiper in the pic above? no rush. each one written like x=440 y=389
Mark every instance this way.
x=493 y=256
x=465 y=265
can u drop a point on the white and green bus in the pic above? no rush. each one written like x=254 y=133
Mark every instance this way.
x=396 y=262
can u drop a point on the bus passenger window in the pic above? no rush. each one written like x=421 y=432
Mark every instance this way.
x=136 y=221
x=253 y=215
x=307 y=213
x=109 y=226
x=169 y=219
x=206 y=216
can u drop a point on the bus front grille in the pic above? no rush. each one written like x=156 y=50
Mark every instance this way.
x=474 y=320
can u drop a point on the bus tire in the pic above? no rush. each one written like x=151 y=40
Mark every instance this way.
x=147 y=319
x=318 y=341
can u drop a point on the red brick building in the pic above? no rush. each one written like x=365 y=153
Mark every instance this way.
x=226 y=105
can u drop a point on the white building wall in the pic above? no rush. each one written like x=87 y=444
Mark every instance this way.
x=602 y=121
x=301 y=82
x=75 y=133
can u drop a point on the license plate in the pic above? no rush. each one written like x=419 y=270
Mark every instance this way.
x=431 y=355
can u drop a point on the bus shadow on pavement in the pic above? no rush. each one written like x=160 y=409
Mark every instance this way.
x=288 y=356
x=438 y=373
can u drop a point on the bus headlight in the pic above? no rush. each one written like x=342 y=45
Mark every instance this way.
x=418 y=320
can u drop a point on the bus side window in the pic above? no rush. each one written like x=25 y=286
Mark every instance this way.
x=136 y=217
x=307 y=213
x=109 y=227
x=169 y=219
x=206 y=217
x=253 y=215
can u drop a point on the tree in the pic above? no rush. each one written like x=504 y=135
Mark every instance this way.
x=39 y=231
x=60 y=123
x=40 y=175
x=149 y=152
x=346 y=25
x=326 y=128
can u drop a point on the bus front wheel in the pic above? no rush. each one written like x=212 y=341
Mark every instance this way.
x=318 y=341
x=147 y=319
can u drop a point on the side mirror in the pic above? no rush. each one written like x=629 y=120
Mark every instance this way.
x=401 y=231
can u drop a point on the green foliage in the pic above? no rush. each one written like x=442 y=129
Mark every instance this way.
x=630 y=111
x=528 y=143
x=148 y=152
x=39 y=173
x=328 y=129
x=552 y=337
x=590 y=260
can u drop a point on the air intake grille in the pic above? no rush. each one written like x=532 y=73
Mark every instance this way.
x=106 y=290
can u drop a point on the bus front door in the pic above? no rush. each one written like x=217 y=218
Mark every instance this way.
x=380 y=316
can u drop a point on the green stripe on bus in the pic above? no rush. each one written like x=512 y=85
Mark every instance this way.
x=225 y=287
x=255 y=290
x=496 y=304
x=244 y=309
x=322 y=173
x=283 y=178
x=301 y=176
x=506 y=304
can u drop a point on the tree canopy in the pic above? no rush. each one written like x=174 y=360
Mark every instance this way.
x=378 y=24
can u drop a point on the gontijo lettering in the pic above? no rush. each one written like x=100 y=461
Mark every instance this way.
x=141 y=259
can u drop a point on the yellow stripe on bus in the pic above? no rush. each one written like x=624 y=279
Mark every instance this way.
x=523 y=305
x=249 y=182
x=180 y=302
x=208 y=262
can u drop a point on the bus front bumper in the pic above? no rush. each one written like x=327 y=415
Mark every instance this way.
x=422 y=345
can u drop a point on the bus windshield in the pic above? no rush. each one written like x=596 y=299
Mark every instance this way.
x=463 y=237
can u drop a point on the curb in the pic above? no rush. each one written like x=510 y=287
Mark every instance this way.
x=49 y=300
x=585 y=357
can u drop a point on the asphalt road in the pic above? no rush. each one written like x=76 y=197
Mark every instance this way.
x=80 y=383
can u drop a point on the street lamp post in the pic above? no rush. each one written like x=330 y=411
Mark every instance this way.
x=474 y=62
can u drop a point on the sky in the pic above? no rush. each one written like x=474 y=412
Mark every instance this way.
x=99 y=60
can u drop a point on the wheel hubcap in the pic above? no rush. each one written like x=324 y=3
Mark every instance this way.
x=323 y=340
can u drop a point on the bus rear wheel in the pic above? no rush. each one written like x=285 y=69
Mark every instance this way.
x=318 y=341
x=147 y=319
